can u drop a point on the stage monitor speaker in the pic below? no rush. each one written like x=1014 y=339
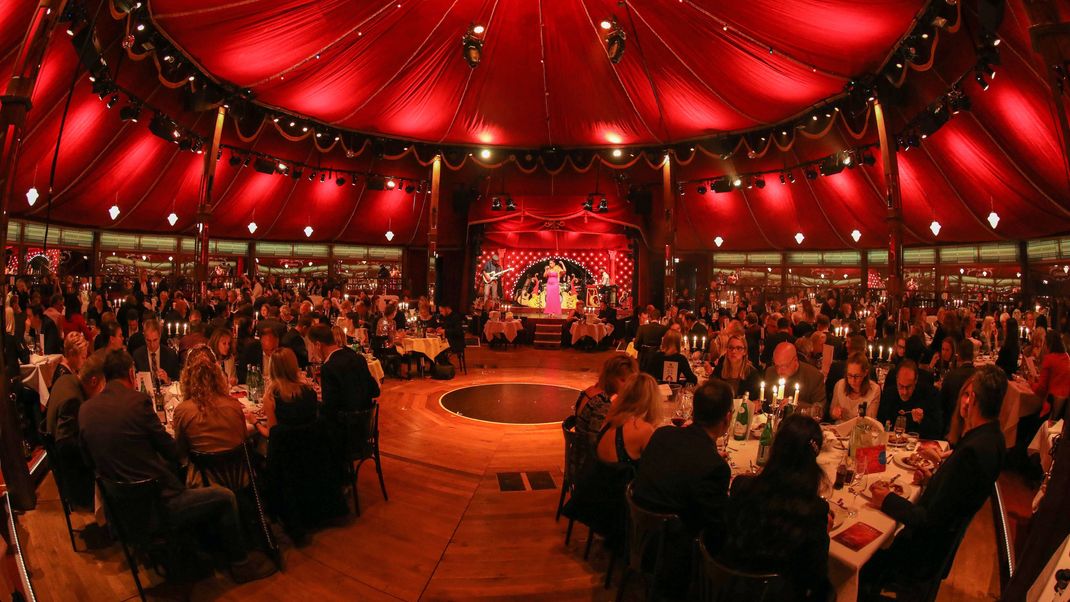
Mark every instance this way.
x=642 y=200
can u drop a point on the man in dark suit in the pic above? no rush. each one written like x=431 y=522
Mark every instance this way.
x=912 y=395
x=452 y=327
x=64 y=401
x=933 y=526
x=772 y=339
x=123 y=439
x=294 y=340
x=258 y=353
x=346 y=383
x=44 y=329
x=134 y=339
x=159 y=361
x=682 y=473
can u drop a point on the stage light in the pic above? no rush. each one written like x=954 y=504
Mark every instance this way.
x=614 y=39
x=485 y=153
x=31 y=195
x=172 y=218
x=799 y=237
x=783 y=179
x=340 y=181
x=718 y=241
x=496 y=203
x=472 y=45
x=993 y=219
x=308 y=231
x=589 y=203
x=114 y=100
x=980 y=77
x=848 y=160
x=868 y=159
x=323 y=178
x=701 y=189
x=759 y=182
x=829 y=166
x=606 y=24
x=737 y=182
x=252 y=227
x=235 y=160
x=510 y=204
x=935 y=227
x=391 y=184
x=114 y=212
x=856 y=235
x=603 y=205
x=130 y=113
x=791 y=178
x=297 y=173
x=617 y=153
x=409 y=189
x=811 y=174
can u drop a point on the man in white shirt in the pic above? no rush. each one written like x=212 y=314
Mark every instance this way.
x=159 y=361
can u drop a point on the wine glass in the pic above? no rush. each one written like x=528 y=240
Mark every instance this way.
x=857 y=484
x=900 y=428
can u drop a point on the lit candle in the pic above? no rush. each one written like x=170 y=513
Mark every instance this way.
x=185 y=328
x=871 y=351
x=796 y=400
x=704 y=342
x=761 y=394
x=781 y=390
x=880 y=353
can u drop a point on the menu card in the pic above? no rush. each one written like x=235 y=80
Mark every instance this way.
x=858 y=536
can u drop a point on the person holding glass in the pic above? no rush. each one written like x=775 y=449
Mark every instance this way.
x=854 y=389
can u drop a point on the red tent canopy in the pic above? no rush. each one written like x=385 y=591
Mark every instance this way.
x=400 y=72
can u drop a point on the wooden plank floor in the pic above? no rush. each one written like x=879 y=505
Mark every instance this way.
x=447 y=533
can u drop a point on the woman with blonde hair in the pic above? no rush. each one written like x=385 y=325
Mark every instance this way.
x=631 y=421
x=75 y=350
x=735 y=369
x=668 y=364
x=208 y=419
x=287 y=400
x=221 y=343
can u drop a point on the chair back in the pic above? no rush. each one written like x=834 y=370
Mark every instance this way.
x=135 y=508
x=647 y=532
x=360 y=432
x=573 y=439
x=1004 y=543
x=230 y=469
x=54 y=462
x=303 y=474
x=715 y=582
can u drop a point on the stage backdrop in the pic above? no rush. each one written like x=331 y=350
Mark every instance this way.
x=585 y=265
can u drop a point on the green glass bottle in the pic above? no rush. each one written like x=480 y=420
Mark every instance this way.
x=741 y=427
x=765 y=443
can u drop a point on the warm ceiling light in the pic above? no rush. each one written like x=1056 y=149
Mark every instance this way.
x=856 y=235
x=935 y=227
x=718 y=241
x=252 y=227
x=31 y=195
x=993 y=219
x=617 y=152
x=485 y=153
x=172 y=219
x=391 y=184
x=308 y=231
x=799 y=237
x=737 y=182
x=472 y=45
x=606 y=24
x=478 y=30
x=614 y=39
x=114 y=211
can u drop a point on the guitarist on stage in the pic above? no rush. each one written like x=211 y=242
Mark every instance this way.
x=490 y=277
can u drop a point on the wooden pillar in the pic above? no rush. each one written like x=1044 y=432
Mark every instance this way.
x=94 y=258
x=332 y=270
x=204 y=205
x=783 y=275
x=14 y=105
x=894 y=204
x=1023 y=267
x=863 y=266
x=938 y=283
x=668 y=195
x=432 y=228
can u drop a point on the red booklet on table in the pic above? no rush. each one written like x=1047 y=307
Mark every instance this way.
x=858 y=536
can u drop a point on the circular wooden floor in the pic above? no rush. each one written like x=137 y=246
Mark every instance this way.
x=511 y=403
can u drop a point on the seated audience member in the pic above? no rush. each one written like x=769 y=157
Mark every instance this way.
x=914 y=398
x=682 y=473
x=160 y=361
x=786 y=365
x=124 y=440
x=44 y=330
x=294 y=340
x=222 y=345
x=287 y=400
x=785 y=500
x=75 y=350
x=1011 y=349
x=346 y=383
x=258 y=352
x=134 y=339
x=1053 y=377
x=630 y=423
x=856 y=343
x=953 y=381
x=452 y=324
x=854 y=389
x=61 y=421
x=933 y=526
x=668 y=364
x=781 y=334
x=735 y=369
x=945 y=359
x=208 y=420
x=595 y=401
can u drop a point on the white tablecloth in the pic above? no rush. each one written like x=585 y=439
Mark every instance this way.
x=38 y=374
x=595 y=331
x=844 y=563
x=429 y=346
x=1041 y=443
x=509 y=328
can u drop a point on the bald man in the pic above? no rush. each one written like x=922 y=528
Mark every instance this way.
x=786 y=365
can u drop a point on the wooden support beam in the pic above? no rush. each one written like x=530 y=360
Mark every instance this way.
x=204 y=205
x=894 y=203
x=432 y=227
x=668 y=193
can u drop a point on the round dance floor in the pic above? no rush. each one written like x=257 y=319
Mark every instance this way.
x=512 y=403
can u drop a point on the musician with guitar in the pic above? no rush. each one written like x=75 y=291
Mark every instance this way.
x=492 y=272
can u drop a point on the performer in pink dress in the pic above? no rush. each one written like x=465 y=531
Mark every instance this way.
x=553 y=290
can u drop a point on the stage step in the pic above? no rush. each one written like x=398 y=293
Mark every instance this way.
x=548 y=333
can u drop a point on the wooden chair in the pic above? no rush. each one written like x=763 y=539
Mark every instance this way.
x=61 y=485
x=234 y=470
x=714 y=582
x=361 y=435
x=136 y=512
x=647 y=532
x=568 y=429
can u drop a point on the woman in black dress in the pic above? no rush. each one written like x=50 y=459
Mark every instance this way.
x=287 y=400
x=776 y=521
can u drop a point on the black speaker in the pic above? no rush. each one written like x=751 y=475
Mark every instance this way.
x=642 y=200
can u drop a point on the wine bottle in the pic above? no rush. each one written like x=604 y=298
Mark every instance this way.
x=765 y=443
x=742 y=424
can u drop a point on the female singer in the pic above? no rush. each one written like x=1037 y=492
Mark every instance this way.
x=553 y=288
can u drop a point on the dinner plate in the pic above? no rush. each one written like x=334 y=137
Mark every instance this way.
x=901 y=461
x=839 y=515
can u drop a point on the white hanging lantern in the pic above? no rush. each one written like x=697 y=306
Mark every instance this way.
x=252 y=227
x=31 y=195
x=935 y=227
x=172 y=219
